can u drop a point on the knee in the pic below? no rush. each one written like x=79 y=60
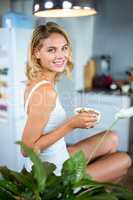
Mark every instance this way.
x=128 y=160
x=125 y=160
x=114 y=141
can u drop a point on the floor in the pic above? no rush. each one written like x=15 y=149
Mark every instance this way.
x=127 y=180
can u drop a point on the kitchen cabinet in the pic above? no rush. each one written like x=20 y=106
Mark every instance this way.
x=108 y=105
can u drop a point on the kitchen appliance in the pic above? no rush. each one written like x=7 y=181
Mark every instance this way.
x=13 y=55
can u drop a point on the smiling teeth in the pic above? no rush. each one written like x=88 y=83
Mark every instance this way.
x=59 y=63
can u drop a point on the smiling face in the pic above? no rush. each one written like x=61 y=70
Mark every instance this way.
x=54 y=53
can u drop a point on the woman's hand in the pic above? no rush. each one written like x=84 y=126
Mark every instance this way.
x=83 y=120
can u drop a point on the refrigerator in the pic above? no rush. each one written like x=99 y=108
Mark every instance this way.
x=13 y=56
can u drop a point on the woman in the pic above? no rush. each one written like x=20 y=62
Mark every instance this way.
x=46 y=125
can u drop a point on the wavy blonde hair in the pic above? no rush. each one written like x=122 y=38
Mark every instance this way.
x=33 y=68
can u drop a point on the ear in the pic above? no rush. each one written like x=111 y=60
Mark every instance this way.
x=37 y=53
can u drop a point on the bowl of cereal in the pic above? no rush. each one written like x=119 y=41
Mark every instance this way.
x=87 y=109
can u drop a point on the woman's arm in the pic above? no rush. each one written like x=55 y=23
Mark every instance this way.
x=46 y=140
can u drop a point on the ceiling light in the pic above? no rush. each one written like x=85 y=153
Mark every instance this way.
x=63 y=8
x=36 y=7
x=66 y=4
x=48 y=4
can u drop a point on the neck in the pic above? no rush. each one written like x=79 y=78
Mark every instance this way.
x=49 y=76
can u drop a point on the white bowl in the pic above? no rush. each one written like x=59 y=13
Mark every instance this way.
x=87 y=109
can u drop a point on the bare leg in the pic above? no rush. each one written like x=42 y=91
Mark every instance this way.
x=109 y=145
x=111 y=168
x=109 y=165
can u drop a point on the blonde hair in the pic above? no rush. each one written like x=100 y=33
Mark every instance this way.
x=33 y=68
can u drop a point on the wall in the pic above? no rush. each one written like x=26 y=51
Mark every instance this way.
x=4 y=7
x=22 y=6
x=113 y=34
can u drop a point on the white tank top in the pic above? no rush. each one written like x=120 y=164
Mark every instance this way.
x=57 y=153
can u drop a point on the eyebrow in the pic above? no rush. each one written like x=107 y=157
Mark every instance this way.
x=55 y=46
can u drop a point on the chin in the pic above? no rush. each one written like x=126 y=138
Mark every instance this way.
x=61 y=69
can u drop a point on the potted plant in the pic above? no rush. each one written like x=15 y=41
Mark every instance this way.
x=42 y=184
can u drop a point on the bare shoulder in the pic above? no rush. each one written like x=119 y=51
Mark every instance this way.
x=43 y=97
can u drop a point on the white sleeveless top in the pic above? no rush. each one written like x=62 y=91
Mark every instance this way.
x=57 y=153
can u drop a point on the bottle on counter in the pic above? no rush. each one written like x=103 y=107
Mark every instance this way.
x=105 y=61
x=89 y=74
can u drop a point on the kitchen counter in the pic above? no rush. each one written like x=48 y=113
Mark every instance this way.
x=107 y=92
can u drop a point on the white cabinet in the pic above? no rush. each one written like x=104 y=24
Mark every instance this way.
x=108 y=105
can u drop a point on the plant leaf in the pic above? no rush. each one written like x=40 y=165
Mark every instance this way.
x=121 y=193
x=74 y=168
x=9 y=186
x=100 y=196
x=5 y=195
x=38 y=170
x=54 y=187
x=104 y=196
x=24 y=180
x=6 y=173
x=49 y=168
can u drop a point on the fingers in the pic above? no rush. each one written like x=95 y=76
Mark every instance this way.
x=90 y=125
x=89 y=114
x=91 y=119
x=86 y=120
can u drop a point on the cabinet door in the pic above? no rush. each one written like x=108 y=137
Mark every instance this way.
x=108 y=105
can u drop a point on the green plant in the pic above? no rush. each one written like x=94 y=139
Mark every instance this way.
x=42 y=184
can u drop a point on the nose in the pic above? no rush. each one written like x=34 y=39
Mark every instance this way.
x=59 y=54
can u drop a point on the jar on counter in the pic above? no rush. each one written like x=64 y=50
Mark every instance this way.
x=125 y=88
